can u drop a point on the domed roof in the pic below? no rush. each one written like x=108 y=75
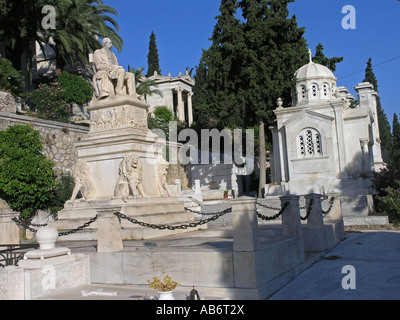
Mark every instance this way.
x=314 y=71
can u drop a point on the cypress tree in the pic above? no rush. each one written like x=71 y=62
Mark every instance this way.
x=395 y=151
x=383 y=122
x=321 y=59
x=275 y=49
x=152 y=58
x=218 y=74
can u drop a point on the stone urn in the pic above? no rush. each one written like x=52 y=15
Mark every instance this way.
x=47 y=237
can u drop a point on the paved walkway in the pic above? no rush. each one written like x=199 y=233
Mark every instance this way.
x=375 y=257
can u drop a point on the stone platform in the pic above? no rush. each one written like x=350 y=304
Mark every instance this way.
x=154 y=210
x=205 y=259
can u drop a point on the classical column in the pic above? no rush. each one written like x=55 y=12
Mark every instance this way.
x=181 y=105
x=366 y=155
x=190 y=108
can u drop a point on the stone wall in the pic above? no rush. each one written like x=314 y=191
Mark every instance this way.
x=58 y=138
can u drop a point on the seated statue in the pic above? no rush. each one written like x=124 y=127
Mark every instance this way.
x=111 y=79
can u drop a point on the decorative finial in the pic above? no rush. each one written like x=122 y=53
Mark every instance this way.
x=310 y=55
x=279 y=103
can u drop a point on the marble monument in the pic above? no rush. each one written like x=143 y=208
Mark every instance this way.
x=120 y=163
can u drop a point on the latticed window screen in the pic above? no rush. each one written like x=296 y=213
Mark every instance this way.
x=309 y=143
x=303 y=92
x=326 y=90
x=314 y=90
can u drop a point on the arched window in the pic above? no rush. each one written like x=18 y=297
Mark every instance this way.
x=303 y=92
x=325 y=90
x=314 y=91
x=309 y=143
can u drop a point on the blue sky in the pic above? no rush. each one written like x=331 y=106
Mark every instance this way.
x=183 y=29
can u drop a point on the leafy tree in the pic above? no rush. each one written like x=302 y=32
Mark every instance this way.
x=383 y=122
x=10 y=79
x=76 y=89
x=20 y=22
x=79 y=24
x=275 y=49
x=218 y=83
x=321 y=59
x=152 y=57
x=27 y=178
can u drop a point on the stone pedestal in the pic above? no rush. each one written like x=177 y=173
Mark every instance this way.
x=9 y=231
x=315 y=233
x=11 y=283
x=109 y=237
x=291 y=222
x=245 y=224
x=47 y=254
x=120 y=164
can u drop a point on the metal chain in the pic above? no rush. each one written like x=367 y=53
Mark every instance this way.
x=25 y=223
x=285 y=205
x=201 y=213
x=331 y=202
x=170 y=227
x=85 y=225
x=268 y=207
x=308 y=210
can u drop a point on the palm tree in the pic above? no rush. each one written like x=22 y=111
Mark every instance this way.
x=144 y=86
x=79 y=25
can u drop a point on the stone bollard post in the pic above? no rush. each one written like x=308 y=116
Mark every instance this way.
x=315 y=234
x=245 y=224
x=109 y=237
x=245 y=242
x=9 y=231
x=315 y=219
x=336 y=212
x=335 y=220
x=291 y=222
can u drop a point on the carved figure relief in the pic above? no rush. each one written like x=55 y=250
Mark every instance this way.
x=163 y=188
x=118 y=117
x=130 y=178
x=83 y=181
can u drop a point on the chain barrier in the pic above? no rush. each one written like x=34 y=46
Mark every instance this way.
x=27 y=224
x=331 y=202
x=308 y=210
x=266 y=218
x=214 y=217
x=85 y=225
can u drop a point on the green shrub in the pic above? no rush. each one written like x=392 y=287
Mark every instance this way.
x=10 y=79
x=50 y=103
x=387 y=185
x=76 y=89
x=390 y=204
x=27 y=178
x=62 y=193
x=163 y=113
x=162 y=116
